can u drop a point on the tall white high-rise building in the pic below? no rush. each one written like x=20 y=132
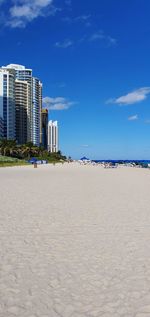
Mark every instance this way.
x=52 y=136
x=34 y=102
x=36 y=111
x=7 y=103
x=24 y=74
x=22 y=102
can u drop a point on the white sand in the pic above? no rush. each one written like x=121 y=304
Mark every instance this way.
x=74 y=242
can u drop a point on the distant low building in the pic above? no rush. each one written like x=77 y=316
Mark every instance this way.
x=52 y=136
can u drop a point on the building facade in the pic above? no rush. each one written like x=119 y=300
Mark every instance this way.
x=28 y=104
x=24 y=74
x=7 y=103
x=1 y=128
x=22 y=103
x=36 y=111
x=44 y=128
x=52 y=136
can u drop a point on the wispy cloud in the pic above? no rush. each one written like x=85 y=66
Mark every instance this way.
x=21 y=12
x=98 y=36
x=58 y=85
x=101 y=36
x=147 y=121
x=58 y=103
x=133 y=118
x=85 y=19
x=85 y=145
x=61 y=85
x=67 y=19
x=68 y=2
x=132 y=97
x=64 y=44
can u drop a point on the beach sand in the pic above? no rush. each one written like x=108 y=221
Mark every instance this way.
x=74 y=241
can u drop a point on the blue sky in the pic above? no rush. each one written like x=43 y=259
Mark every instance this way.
x=93 y=58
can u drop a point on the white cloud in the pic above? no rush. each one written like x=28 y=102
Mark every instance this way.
x=21 y=12
x=101 y=36
x=58 y=103
x=64 y=44
x=132 y=97
x=133 y=118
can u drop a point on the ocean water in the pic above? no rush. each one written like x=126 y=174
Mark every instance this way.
x=123 y=161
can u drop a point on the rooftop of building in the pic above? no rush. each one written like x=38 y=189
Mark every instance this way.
x=44 y=110
x=16 y=67
x=53 y=123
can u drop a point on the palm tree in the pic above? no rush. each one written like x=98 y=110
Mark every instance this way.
x=7 y=146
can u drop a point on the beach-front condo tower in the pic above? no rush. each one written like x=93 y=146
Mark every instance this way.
x=22 y=102
x=24 y=74
x=21 y=72
x=44 y=128
x=7 y=103
x=33 y=109
x=36 y=110
x=52 y=136
x=1 y=128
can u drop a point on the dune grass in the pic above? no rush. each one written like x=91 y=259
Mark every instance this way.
x=10 y=161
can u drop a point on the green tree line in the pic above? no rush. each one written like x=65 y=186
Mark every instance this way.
x=11 y=149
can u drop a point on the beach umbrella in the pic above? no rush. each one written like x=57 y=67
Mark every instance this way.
x=84 y=159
